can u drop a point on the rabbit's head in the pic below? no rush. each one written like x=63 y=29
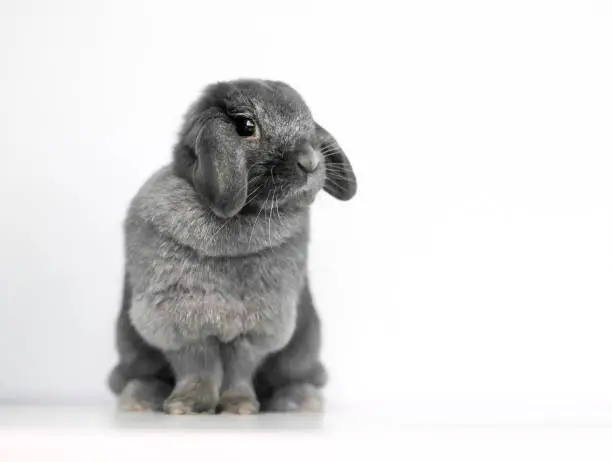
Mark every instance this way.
x=253 y=144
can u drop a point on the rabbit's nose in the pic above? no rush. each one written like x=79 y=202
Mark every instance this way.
x=308 y=160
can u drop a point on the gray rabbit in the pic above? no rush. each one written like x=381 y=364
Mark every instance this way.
x=217 y=313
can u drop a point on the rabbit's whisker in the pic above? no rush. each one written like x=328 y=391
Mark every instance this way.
x=251 y=191
x=256 y=219
x=337 y=166
x=254 y=191
x=335 y=183
x=329 y=151
x=253 y=196
x=328 y=143
x=329 y=146
x=248 y=183
x=272 y=175
x=331 y=154
x=338 y=170
x=278 y=212
x=270 y=219
x=340 y=177
x=217 y=231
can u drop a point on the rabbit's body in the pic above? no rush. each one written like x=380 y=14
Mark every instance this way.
x=212 y=278
x=217 y=311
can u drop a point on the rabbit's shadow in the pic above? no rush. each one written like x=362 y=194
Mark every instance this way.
x=271 y=422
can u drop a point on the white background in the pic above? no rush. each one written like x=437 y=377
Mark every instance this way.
x=471 y=272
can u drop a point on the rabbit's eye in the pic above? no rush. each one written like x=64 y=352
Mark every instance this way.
x=245 y=126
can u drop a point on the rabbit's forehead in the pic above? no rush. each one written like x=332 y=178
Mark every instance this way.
x=277 y=106
x=284 y=120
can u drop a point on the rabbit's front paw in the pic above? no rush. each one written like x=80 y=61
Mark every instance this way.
x=238 y=402
x=193 y=395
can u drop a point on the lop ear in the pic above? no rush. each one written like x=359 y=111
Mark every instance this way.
x=340 y=181
x=220 y=173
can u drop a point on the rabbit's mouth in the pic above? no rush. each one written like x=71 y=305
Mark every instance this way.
x=300 y=193
x=284 y=189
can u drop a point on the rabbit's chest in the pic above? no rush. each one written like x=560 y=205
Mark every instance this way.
x=255 y=296
x=222 y=297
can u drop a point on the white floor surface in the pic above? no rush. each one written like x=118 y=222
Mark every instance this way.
x=412 y=431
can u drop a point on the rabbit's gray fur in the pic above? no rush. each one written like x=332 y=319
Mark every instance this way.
x=217 y=311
